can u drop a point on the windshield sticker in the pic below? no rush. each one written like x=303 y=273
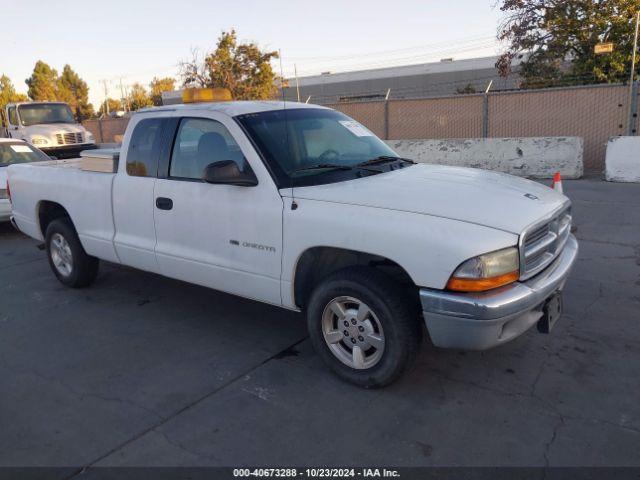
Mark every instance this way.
x=21 y=149
x=355 y=128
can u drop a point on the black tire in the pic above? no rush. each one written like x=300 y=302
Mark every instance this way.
x=395 y=311
x=84 y=268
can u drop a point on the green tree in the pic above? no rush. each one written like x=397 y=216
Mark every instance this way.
x=75 y=91
x=43 y=83
x=159 y=85
x=138 y=97
x=243 y=68
x=555 y=40
x=8 y=92
x=114 y=106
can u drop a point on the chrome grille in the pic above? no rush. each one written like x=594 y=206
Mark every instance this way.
x=536 y=235
x=542 y=243
x=68 y=138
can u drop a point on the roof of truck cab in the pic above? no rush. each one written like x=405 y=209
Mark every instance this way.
x=231 y=109
x=29 y=102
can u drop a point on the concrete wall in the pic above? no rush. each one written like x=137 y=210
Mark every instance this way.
x=622 y=163
x=536 y=157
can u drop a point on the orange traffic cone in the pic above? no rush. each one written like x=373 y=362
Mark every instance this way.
x=556 y=184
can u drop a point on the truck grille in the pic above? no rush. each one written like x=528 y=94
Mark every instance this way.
x=69 y=138
x=542 y=243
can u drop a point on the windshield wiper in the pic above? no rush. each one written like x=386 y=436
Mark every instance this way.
x=384 y=159
x=322 y=166
x=335 y=166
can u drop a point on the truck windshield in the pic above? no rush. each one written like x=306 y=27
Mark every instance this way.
x=308 y=146
x=39 y=113
x=19 y=152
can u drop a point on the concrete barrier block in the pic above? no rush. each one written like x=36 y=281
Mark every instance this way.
x=533 y=157
x=622 y=163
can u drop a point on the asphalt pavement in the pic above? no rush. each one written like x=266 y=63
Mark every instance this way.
x=143 y=370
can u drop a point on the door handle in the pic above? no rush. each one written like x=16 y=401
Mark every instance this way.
x=164 y=203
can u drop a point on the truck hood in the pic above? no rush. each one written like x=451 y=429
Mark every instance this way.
x=50 y=129
x=492 y=199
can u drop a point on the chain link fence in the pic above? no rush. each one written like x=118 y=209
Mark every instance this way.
x=107 y=130
x=595 y=113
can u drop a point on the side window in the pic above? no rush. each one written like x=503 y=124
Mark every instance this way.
x=13 y=116
x=200 y=142
x=144 y=148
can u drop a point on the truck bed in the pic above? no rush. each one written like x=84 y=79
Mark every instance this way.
x=66 y=163
x=86 y=196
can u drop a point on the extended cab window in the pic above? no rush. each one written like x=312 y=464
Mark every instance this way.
x=144 y=148
x=200 y=142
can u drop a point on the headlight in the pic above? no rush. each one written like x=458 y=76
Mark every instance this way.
x=89 y=136
x=39 y=141
x=491 y=270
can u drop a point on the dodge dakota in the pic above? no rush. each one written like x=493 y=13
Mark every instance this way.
x=302 y=207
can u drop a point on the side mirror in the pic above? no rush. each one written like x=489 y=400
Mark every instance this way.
x=227 y=172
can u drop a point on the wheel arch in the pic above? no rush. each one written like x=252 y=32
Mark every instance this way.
x=47 y=211
x=318 y=262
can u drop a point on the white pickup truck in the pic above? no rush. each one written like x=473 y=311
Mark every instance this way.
x=50 y=126
x=301 y=207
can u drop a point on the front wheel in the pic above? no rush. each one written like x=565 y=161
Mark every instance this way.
x=67 y=258
x=364 y=327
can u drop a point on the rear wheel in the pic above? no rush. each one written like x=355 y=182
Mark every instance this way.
x=363 y=326
x=67 y=258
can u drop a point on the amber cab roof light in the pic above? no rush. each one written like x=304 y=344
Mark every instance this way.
x=199 y=95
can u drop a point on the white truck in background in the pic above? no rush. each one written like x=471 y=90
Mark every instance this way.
x=302 y=207
x=50 y=126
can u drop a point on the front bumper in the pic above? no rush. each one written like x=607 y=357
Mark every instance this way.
x=13 y=223
x=477 y=321
x=68 y=151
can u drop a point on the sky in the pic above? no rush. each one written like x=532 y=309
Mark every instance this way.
x=135 y=40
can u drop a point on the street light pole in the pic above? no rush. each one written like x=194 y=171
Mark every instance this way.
x=632 y=89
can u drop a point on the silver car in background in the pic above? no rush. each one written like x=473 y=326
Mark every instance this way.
x=14 y=151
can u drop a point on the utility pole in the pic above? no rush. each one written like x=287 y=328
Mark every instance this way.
x=632 y=89
x=295 y=71
x=106 y=97
x=124 y=99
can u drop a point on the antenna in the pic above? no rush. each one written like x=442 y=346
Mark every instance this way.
x=284 y=100
x=294 y=205
x=295 y=69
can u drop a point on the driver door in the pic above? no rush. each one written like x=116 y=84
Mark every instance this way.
x=12 y=123
x=221 y=236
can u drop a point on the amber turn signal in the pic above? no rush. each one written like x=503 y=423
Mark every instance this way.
x=481 y=284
